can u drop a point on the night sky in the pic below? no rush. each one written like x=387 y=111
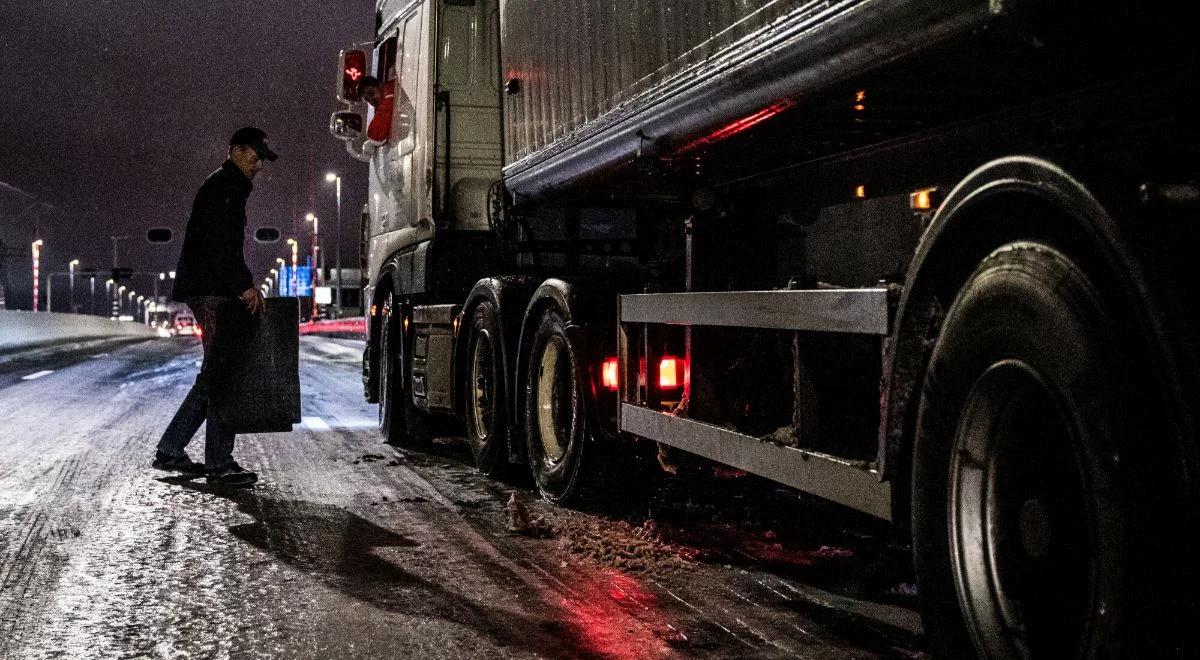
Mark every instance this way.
x=114 y=111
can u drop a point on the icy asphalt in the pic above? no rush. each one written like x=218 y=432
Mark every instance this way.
x=350 y=548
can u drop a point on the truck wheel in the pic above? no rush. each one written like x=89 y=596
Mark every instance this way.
x=1023 y=531
x=556 y=420
x=402 y=423
x=486 y=398
x=391 y=410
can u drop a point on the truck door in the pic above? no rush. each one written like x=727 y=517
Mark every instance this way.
x=468 y=142
x=399 y=194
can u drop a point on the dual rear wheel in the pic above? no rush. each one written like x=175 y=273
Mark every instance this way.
x=555 y=411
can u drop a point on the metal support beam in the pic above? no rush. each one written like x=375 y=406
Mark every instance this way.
x=862 y=311
x=834 y=479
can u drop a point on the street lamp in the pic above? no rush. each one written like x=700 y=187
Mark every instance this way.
x=161 y=277
x=332 y=177
x=117 y=303
x=37 y=266
x=71 y=275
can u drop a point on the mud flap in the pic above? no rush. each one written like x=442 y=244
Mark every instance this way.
x=256 y=384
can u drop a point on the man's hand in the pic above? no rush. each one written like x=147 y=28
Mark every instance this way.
x=254 y=301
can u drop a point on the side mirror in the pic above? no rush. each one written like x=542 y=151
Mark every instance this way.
x=345 y=125
x=352 y=66
x=266 y=235
x=160 y=235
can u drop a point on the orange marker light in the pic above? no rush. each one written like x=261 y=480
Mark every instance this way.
x=860 y=192
x=608 y=374
x=922 y=200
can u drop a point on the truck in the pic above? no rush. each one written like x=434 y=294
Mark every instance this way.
x=926 y=259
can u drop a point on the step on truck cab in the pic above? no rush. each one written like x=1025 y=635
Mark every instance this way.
x=921 y=258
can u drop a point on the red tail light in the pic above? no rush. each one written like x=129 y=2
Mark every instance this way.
x=608 y=374
x=199 y=331
x=670 y=373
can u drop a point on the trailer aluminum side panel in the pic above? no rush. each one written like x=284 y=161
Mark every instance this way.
x=600 y=78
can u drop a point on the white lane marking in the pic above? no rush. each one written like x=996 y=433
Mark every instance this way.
x=314 y=423
x=324 y=346
x=100 y=355
x=38 y=374
x=350 y=424
x=338 y=348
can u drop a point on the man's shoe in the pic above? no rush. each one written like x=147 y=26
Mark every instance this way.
x=181 y=464
x=232 y=475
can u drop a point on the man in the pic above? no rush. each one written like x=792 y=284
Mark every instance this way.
x=380 y=96
x=212 y=272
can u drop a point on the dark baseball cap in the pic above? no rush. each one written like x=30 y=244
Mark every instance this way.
x=256 y=139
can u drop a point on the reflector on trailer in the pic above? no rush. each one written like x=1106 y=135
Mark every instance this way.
x=670 y=373
x=608 y=374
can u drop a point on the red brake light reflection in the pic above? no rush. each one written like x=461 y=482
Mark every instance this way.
x=740 y=125
x=608 y=374
x=670 y=373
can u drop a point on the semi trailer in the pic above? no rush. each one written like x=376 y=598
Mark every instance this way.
x=927 y=259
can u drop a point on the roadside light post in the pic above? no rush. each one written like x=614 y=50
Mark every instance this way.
x=334 y=178
x=117 y=303
x=71 y=274
x=37 y=259
x=292 y=242
x=161 y=277
x=316 y=253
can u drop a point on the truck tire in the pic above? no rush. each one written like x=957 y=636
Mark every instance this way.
x=557 y=427
x=1025 y=529
x=402 y=423
x=391 y=392
x=486 y=398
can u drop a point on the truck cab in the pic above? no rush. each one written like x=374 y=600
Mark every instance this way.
x=431 y=177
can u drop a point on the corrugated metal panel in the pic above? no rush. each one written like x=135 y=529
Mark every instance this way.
x=676 y=69
x=579 y=59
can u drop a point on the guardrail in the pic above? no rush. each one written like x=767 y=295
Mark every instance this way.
x=20 y=329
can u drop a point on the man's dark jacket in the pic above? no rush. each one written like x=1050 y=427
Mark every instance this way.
x=212 y=262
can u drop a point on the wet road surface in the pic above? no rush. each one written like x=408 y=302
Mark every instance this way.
x=351 y=548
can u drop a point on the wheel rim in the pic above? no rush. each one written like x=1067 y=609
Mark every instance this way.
x=556 y=402
x=483 y=387
x=1020 y=523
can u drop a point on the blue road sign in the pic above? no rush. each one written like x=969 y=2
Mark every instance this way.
x=299 y=285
